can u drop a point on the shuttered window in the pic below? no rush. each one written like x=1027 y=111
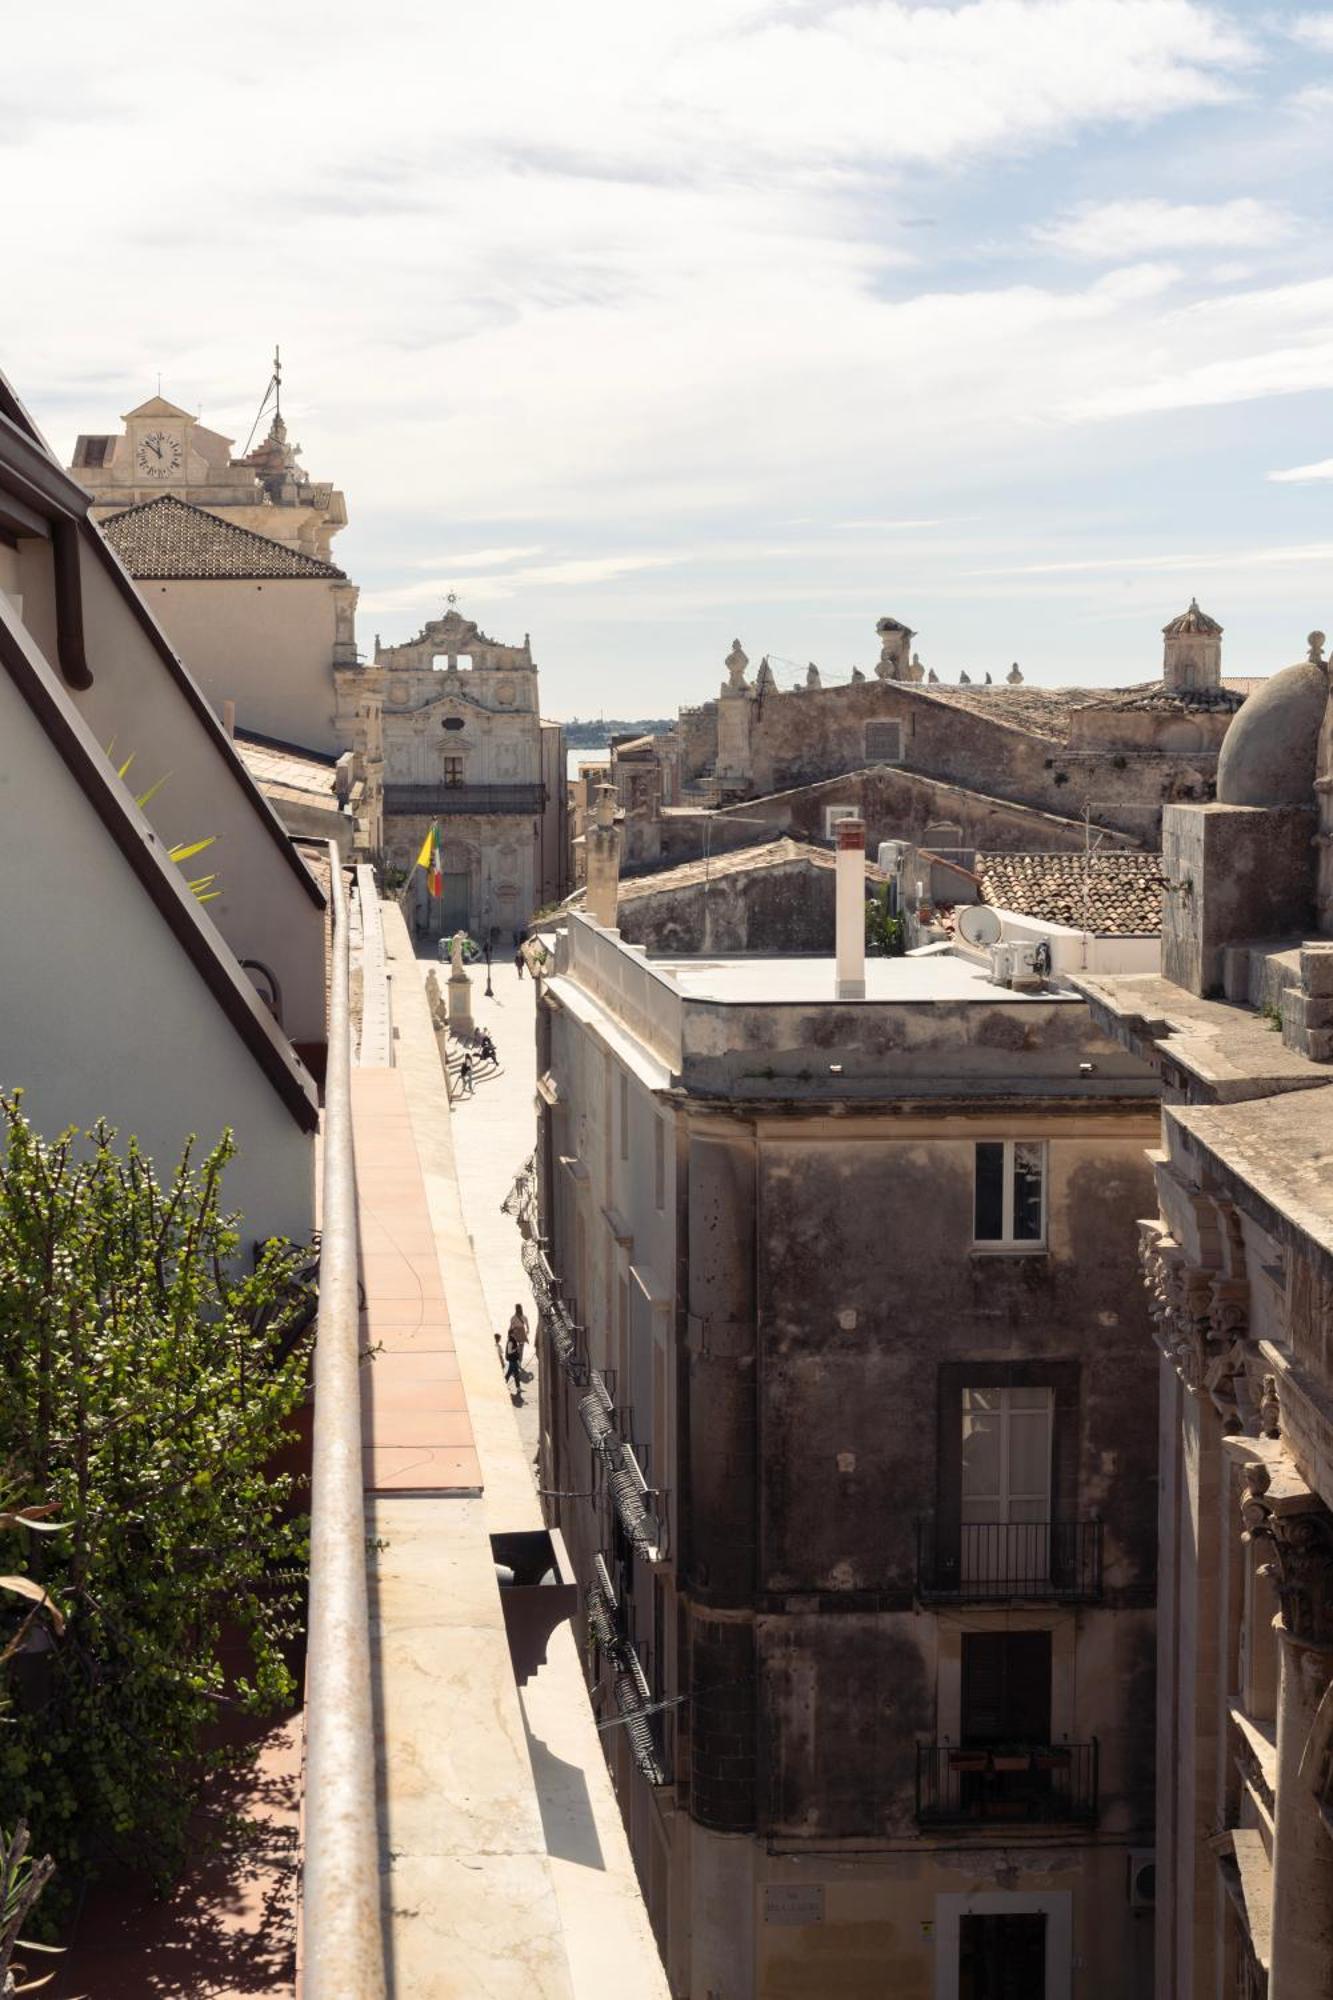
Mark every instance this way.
x=1006 y=1688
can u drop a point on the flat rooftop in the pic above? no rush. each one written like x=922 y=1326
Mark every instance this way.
x=752 y=981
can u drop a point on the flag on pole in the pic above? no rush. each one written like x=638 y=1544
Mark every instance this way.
x=431 y=859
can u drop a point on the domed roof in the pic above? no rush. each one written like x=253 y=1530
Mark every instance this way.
x=1268 y=753
x=1192 y=620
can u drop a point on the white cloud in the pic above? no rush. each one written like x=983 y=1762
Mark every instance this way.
x=1113 y=230
x=470 y=559
x=1321 y=469
x=1315 y=31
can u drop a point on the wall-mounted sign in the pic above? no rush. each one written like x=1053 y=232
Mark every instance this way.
x=794 y=1903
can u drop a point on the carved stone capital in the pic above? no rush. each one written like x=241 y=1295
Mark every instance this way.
x=1301 y=1571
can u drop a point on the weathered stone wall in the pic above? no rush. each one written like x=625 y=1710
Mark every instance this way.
x=697 y=730
x=899 y=805
x=778 y=910
x=1232 y=873
x=802 y=735
x=866 y=1287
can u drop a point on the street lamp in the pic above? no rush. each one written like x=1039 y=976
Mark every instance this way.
x=490 y=994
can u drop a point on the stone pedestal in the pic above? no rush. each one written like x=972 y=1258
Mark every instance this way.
x=460 y=1004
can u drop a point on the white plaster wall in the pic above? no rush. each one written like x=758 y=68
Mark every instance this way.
x=262 y=910
x=1085 y=951
x=103 y=1014
x=267 y=646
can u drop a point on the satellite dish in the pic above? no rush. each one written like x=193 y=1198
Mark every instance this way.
x=979 y=925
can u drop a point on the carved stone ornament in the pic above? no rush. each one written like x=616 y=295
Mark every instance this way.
x=736 y=662
x=1301 y=1571
x=1200 y=1317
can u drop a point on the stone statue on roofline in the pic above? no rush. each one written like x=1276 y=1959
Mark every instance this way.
x=988 y=681
x=1014 y=676
x=933 y=678
x=857 y=675
x=736 y=662
x=965 y=679
x=895 y=648
x=812 y=679
x=765 y=679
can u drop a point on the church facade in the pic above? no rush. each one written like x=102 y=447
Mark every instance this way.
x=465 y=747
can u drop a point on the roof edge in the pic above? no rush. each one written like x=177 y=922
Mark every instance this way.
x=236 y=997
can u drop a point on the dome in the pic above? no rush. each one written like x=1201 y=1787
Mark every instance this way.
x=1193 y=620
x=1268 y=753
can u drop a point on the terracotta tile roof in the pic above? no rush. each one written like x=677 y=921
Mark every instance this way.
x=1043 y=711
x=167 y=539
x=1115 y=895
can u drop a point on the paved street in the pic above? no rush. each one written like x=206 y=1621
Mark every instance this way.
x=494 y=1132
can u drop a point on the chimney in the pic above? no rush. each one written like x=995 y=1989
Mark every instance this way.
x=602 y=860
x=850 y=894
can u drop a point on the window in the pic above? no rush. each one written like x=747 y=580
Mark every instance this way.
x=1002 y=1955
x=832 y=814
x=624 y=1116
x=659 y=1163
x=1010 y=1192
x=1005 y=1485
x=1006 y=1687
x=453 y=771
x=884 y=743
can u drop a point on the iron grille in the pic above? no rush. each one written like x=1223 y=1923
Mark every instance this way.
x=976 y=1561
x=1015 y=1784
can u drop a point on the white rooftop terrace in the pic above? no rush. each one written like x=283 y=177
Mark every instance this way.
x=935 y=976
x=934 y=1024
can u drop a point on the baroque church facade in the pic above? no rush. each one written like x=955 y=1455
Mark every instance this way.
x=465 y=747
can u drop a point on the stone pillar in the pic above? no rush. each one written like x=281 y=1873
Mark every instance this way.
x=1302 y=1965
x=1279 y=1509
x=1323 y=784
x=850 y=909
x=601 y=852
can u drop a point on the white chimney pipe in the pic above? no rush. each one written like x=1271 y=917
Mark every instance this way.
x=850 y=894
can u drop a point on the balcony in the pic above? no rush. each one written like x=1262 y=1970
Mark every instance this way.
x=1017 y=1785
x=443 y=799
x=981 y=1562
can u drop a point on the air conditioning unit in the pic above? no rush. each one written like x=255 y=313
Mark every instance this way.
x=1002 y=963
x=1141 y=1881
x=1023 y=970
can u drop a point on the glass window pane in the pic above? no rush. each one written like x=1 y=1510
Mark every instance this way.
x=1027 y=1192
x=1029 y=1458
x=989 y=1225
x=981 y=1461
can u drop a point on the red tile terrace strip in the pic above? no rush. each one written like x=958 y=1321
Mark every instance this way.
x=415 y=1428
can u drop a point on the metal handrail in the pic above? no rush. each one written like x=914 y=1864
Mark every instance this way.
x=975 y=1562
x=342 y=1937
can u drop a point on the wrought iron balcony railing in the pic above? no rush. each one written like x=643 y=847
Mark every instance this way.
x=1016 y=1784
x=464 y=798
x=979 y=1561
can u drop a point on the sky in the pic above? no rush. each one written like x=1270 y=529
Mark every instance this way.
x=643 y=328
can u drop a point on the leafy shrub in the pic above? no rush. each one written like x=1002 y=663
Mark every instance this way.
x=146 y=1387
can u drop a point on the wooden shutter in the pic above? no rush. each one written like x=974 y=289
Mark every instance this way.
x=1006 y=1687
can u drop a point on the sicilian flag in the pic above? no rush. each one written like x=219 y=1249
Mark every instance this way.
x=431 y=860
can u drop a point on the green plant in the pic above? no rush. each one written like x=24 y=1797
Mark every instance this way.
x=146 y=1386
x=184 y=850
x=885 y=935
x=1273 y=1016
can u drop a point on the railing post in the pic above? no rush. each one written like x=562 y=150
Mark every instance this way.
x=342 y=1944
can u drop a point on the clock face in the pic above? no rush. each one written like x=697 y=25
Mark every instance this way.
x=160 y=454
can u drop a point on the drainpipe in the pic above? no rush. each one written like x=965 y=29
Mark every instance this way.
x=850 y=904
x=341 y=1937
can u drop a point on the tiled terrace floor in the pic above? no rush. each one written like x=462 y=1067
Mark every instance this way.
x=417 y=1434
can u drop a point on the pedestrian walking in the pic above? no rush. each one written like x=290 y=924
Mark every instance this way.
x=465 y=1076
x=515 y=1341
x=486 y=1048
x=518 y=961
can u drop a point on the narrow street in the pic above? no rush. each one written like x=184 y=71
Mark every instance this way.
x=494 y=1133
